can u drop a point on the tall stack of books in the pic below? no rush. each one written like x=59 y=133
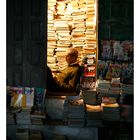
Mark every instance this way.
x=70 y=24
x=93 y=115
x=90 y=47
x=59 y=137
x=23 y=117
x=35 y=135
x=76 y=113
x=38 y=115
x=22 y=134
x=51 y=36
x=103 y=87
x=110 y=111
x=126 y=102
x=126 y=90
x=38 y=111
x=10 y=118
x=114 y=92
x=90 y=97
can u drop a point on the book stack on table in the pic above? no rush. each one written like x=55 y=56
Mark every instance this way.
x=93 y=115
x=90 y=97
x=110 y=112
x=22 y=134
x=23 y=117
x=76 y=113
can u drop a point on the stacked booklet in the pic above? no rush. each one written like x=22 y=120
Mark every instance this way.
x=93 y=115
x=23 y=117
x=35 y=135
x=90 y=97
x=38 y=115
x=22 y=134
x=110 y=112
x=75 y=113
x=10 y=118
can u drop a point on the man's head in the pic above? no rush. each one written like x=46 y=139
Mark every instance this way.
x=72 y=55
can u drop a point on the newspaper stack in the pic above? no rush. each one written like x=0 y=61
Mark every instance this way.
x=59 y=137
x=90 y=97
x=35 y=135
x=75 y=113
x=22 y=134
x=10 y=118
x=114 y=92
x=126 y=102
x=23 y=117
x=38 y=115
x=93 y=115
x=111 y=112
x=103 y=87
x=127 y=94
x=115 y=82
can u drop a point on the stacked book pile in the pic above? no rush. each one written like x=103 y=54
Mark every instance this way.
x=70 y=24
x=103 y=87
x=11 y=114
x=59 y=137
x=10 y=118
x=76 y=113
x=51 y=36
x=93 y=115
x=88 y=83
x=23 y=117
x=38 y=111
x=89 y=65
x=126 y=102
x=126 y=91
x=35 y=135
x=114 y=91
x=110 y=112
x=115 y=82
x=90 y=33
x=22 y=134
x=90 y=97
x=38 y=115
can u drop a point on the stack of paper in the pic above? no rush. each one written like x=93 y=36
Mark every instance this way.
x=10 y=118
x=88 y=83
x=90 y=28
x=90 y=97
x=23 y=117
x=111 y=112
x=127 y=89
x=93 y=115
x=59 y=137
x=127 y=94
x=35 y=135
x=22 y=134
x=76 y=113
x=70 y=24
x=38 y=115
x=103 y=86
x=115 y=82
x=114 y=92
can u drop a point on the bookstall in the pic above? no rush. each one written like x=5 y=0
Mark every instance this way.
x=105 y=101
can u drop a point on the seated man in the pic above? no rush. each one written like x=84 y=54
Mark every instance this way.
x=67 y=80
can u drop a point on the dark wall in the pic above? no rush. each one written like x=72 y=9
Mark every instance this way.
x=115 y=19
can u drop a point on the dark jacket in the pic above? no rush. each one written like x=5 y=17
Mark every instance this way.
x=67 y=80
